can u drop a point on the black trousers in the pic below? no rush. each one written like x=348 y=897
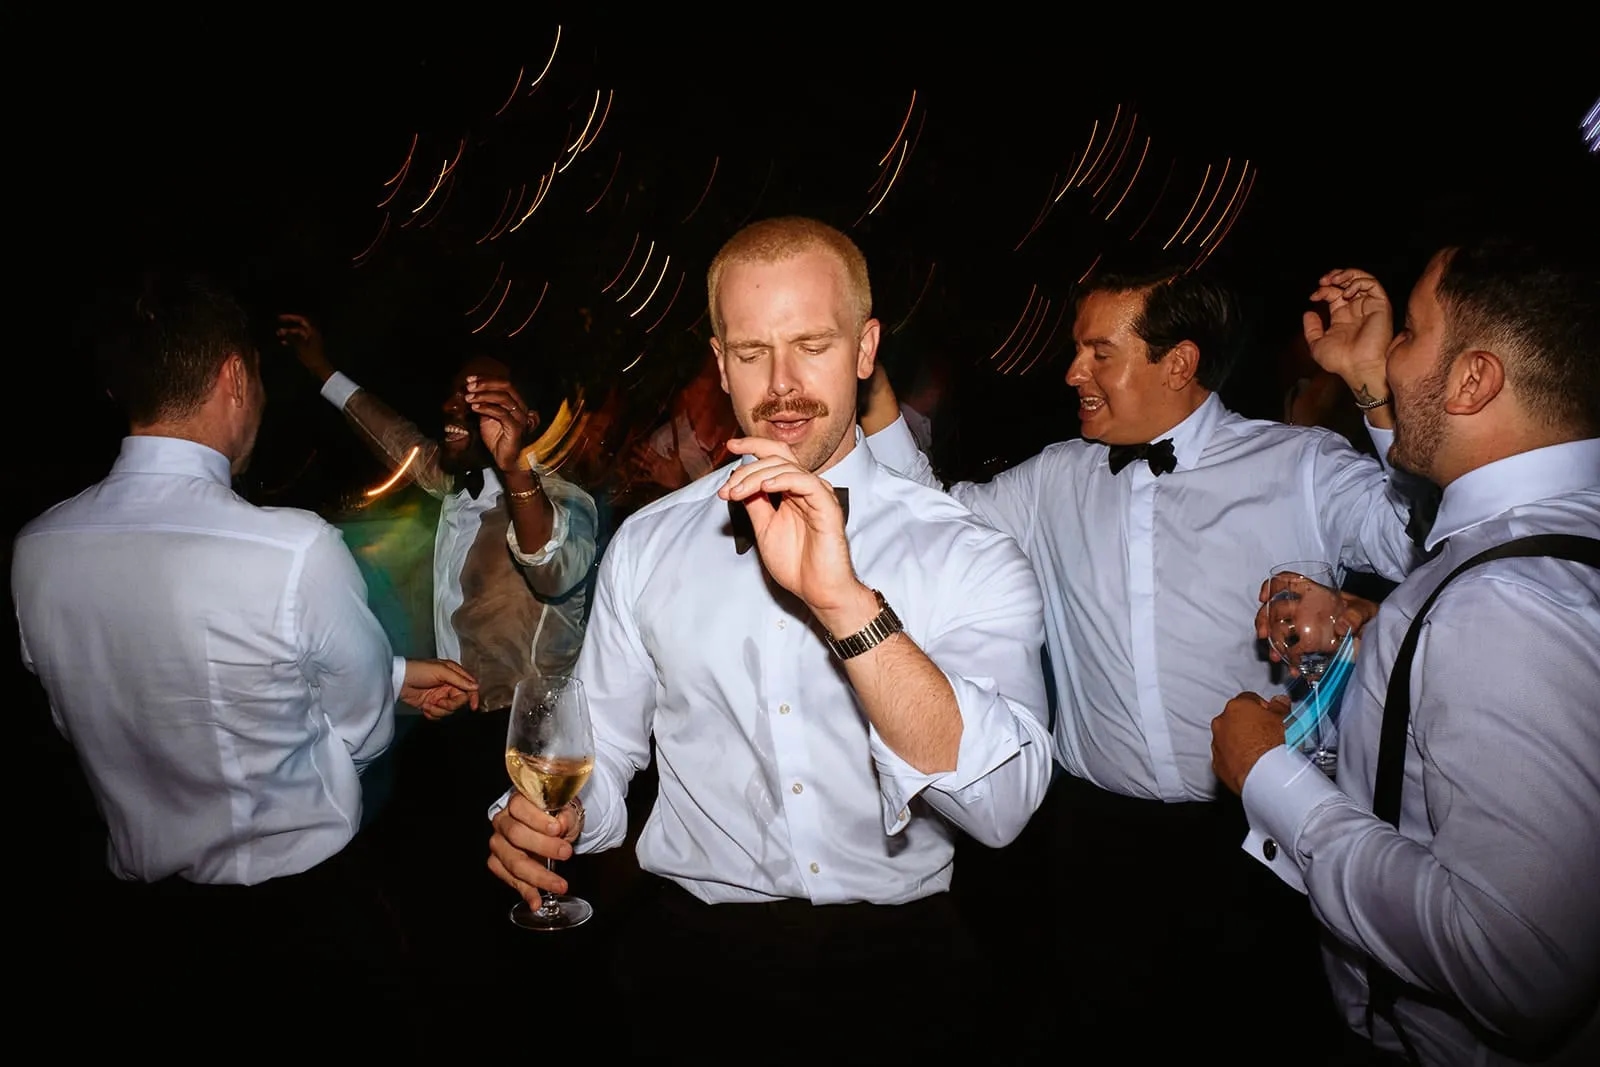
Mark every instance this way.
x=1172 y=942
x=175 y=961
x=791 y=981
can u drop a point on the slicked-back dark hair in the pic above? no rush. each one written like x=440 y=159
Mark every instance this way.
x=183 y=328
x=1180 y=305
x=1536 y=304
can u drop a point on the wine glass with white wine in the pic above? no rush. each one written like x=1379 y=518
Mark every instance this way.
x=1303 y=628
x=549 y=754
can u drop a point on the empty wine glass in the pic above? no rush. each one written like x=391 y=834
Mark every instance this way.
x=1302 y=613
x=549 y=755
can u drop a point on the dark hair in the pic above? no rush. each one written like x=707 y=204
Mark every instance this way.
x=1538 y=306
x=1180 y=305
x=182 y=330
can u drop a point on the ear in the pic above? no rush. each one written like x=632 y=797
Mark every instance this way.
x=722 y=367
x=1477 y=378
x=867 y=349
x=235 y=378
x=1182 y=363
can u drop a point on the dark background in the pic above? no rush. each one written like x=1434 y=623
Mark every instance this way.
x=264 y=159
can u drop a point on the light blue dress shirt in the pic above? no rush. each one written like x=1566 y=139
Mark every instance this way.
x=1151 y=583
x=214 y=665
x=1490 y=888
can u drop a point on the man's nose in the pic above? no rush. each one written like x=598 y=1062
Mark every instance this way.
x=781 y=383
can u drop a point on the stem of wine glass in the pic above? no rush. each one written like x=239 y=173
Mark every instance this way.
x=548 y=906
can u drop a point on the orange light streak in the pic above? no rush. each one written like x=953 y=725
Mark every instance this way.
x=1120 y=156
x=1111 y=135
x=594 y=110
x=495 y=235
x=918 y=302
x=1172 y=169
x=653 y=288
x=651 y=328
x=1227 y=165
x=892 y=177
x=547 y=62
x=1060 y=318
x=1049 y=202
x=611 y=94
x=642 y=268
x=1025 y=309
x=635 y=362
x=631 y=250
x=1086 y=149
x=401 y=173
x=382 y=229
x=545 y=182
x=607 y=188
x=515 y=85
x=443 y=170
x=395 y=477
x=532 y=313
x=1198 y=194
x=714 y=162
x=497 y=307
x=1242 y=172
x=1089 y=268
x=1237 y=212
x=449 y=190
x=1125 y=192
x=492 y=226
x=1027 y=338
x=473 y=310
x=901 y=132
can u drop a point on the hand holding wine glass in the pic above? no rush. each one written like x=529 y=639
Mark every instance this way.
x=549 y=755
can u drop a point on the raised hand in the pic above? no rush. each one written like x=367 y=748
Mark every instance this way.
x=1354 y=343
x=504 y=421
x=298 y=333
x=801 y=536
x=437 y=687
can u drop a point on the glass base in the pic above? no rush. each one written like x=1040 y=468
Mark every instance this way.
x=1327 y=762
x=558 y=913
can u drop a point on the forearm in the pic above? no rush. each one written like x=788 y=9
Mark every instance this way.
x=532 y=512
x=1369 y=386
x=391 y=437
x=905 y=697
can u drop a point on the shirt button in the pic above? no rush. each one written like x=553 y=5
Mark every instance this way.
x=902 y=816
x=1269 y=849
x=783 y=709
x=798 y=788
x=782 y=623
x=815 y=869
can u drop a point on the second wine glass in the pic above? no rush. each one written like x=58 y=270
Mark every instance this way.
x=1303 y=612
x=549 y=755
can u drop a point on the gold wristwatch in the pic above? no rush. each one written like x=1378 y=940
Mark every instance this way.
x=885 y=625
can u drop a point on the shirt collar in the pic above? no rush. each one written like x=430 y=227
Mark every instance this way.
x=1539 y=474
x=147 y=454
x=1189 y=437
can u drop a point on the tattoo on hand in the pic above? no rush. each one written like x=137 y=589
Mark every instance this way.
x=1364 y=395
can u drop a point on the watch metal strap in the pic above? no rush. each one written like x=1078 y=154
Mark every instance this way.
x=885 y=625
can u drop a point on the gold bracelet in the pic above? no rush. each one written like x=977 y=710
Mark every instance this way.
x=525 y=494
x=1374 y=404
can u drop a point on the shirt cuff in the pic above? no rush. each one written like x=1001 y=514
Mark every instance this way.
x=1280 y=792
x=1381 y=440
x=338 y=389
x=398 y=676
x=989 y=738
x=499 y=805
x=558 y=535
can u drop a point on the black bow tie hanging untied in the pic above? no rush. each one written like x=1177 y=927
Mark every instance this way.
x=744 y=534
x=471 y=481
x=1160 y=456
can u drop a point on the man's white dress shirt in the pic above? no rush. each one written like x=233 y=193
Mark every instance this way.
x=214 y=665
x=1490 y=888
x=772 y=784
x=1151 y=583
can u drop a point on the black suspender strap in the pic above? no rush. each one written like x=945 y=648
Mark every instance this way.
x=1385 y=987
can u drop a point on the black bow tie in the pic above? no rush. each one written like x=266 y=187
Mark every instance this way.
x=1160 y=456
x=744 y=534
x=1424 y=509
x=471 y=481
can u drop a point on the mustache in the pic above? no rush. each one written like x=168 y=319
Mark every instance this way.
x=801 y=407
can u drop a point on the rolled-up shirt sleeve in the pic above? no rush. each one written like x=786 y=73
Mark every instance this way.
x=987 y=645
x=556 y=567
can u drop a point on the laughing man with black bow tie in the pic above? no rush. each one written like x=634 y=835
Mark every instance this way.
x=830 y=708
x=1151 y=537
